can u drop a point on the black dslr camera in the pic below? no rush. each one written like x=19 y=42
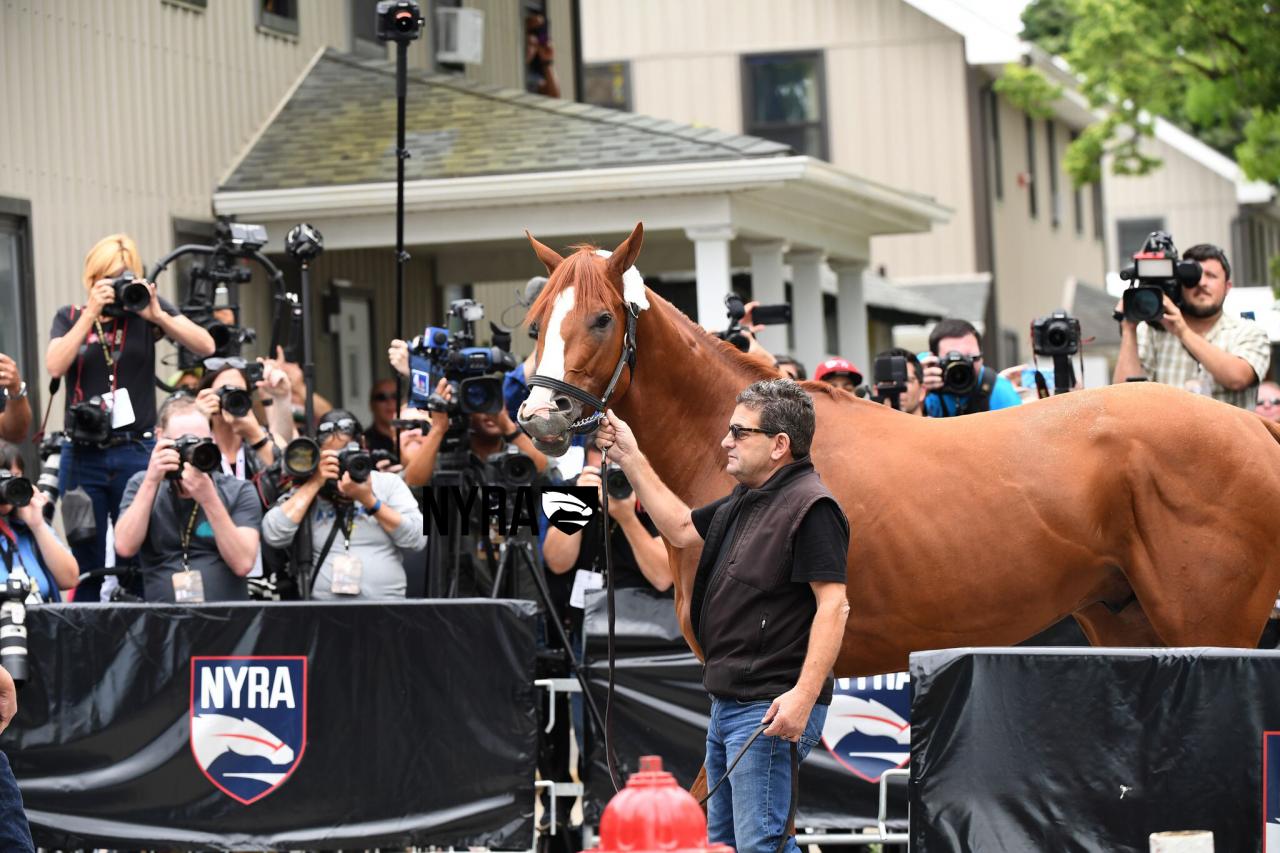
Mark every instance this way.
x=398 y=20
x=765 y=315
x=15 y=491
x=236 y=402
x=1156 y=272
x=132 y=295
x=90 y=422
x=200 y=453
x=617 y=484
x=959 y=374
x=511 y=468
x=355 y=461
x=1057 y=334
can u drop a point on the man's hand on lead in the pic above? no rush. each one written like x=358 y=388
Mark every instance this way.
x=617 y=440
x=788 y=715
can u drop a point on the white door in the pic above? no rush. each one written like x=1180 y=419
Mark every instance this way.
x=355 y=360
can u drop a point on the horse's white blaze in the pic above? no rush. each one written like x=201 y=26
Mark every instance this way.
x=632 y=284
x=551 y=364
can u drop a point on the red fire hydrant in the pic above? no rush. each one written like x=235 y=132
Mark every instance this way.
x=653 y=813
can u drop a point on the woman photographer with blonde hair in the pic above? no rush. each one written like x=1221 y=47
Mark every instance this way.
x=106 y=352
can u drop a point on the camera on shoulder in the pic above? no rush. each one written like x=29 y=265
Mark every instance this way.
x=1156 y=272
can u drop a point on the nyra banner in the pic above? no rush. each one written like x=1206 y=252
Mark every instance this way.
x=279 y=726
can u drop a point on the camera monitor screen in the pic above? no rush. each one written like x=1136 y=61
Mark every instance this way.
x=1155 y=268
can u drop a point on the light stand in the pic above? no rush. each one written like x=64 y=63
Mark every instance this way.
x=304 y=244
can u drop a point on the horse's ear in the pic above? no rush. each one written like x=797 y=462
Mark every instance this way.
x=624 y=257
x=550 y=259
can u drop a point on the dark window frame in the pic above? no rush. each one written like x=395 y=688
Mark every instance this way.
x=1077 y=196
x=17 y=211
x=191 y=5
x=277 y=24
x=1030 y=128
x=823 y=124
x=993 y=135
x=627 y=97
x=1055 y=195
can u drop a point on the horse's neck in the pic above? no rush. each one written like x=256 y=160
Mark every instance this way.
x=679 y=402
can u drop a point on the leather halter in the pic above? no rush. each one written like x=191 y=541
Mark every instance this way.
x=627 y=358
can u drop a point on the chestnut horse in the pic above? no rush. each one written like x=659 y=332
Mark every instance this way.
x=1145 y=512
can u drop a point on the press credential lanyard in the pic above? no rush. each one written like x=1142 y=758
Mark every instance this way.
x=188 y=586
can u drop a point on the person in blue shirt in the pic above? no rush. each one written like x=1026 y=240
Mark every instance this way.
x=992 y=390
x=26 y=540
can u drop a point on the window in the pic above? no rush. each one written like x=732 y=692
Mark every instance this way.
x=1131 y=234
x=831 y=323
x=1055 y=199
x=607 y=84
x=364 y=30
x=18 y=339
x=280 y=16
x=194 y=5
x=1031 y=165
x=997 y=155
x=783 y=100
x=1098 y=222
x=1077 y=200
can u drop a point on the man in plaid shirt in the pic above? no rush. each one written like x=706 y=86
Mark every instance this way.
x=1198 y=347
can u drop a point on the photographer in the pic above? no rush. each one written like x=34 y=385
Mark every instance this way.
x=26 y=540
x=911 y=397
x=107 y=353
x=790 y=368
x=639 y=555
x=968 y=385
x=382 y=403
x=195 y=533
x=1269 y=400
x=15 y=409
x=839 y=373
x=1198 y=346
x=247 y=447
x=373 y=513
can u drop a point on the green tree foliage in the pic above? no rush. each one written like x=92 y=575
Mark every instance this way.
x=1212 y=66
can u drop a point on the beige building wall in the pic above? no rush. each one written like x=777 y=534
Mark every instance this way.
x=895 y=92
x=1197 y=204
x=1033 y=258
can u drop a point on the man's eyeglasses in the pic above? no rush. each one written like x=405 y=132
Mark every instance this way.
x=383 y=398
x=1271 y=401
x=739 y=431
x=342 y=425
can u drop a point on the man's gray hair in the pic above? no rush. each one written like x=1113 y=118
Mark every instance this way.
x=784 y=407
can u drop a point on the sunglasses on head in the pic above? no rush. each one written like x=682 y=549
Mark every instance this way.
x=235 y=363
x=739 y=431
x=1269 y=401
x=343 y=425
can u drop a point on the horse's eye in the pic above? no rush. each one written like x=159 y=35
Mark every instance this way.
x=603 y=320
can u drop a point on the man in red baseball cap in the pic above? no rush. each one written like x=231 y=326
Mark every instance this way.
x=839 y=372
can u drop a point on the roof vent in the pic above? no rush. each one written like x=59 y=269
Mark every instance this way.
x=460 y=36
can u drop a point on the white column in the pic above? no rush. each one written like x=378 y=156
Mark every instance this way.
x=806 y=307
x=711 y=257
x=768 y=288
x=851 y=312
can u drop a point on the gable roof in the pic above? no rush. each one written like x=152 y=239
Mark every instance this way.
x=337 y=126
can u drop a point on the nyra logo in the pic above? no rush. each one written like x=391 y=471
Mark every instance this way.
x=867 y=728
x=248 y=722
x=567 y=508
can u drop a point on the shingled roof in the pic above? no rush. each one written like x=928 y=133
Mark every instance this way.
x=338 y=127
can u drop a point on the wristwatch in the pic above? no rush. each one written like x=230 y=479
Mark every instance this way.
x=21 y=395
x=513 y=435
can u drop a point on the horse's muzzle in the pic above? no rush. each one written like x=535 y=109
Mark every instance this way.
x=550 y=432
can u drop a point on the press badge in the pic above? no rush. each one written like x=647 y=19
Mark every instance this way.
x=582 y=581
x=346 y=575
x=188 y=587
x=121 y=408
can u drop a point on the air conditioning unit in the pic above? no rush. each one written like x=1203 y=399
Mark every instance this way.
x=460 y=36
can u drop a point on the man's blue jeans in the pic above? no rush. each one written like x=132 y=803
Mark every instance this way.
x=749 y=812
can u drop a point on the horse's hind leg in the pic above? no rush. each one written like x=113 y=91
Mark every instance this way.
x=1125 y=626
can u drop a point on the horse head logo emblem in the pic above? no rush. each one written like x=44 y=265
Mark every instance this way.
x=248 y=722
x=569 y=508
x=867 y=730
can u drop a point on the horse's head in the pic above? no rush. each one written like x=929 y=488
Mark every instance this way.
x=582 y=314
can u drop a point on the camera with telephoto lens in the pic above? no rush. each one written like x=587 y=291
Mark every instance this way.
x=132 y=295
x=398 y=20
x=301 y=458
x=1057 y=334
x=1156 y=272
x=356 y=461
x=14 y=490
x=90 y=421
x=50 y=471
x=959 y=374
x=766 y=315
x=15 y=594
x=617 y=484
x=474 y=373
x=200 y=453
x=236 y=402
x=511 y=468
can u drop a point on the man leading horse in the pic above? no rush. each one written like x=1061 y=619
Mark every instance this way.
x=768 y=608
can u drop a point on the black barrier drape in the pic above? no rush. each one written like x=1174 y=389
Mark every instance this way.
x=420 y=725
x=661 y=708
x=1089 y=749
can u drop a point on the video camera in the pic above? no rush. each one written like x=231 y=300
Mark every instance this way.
x=1057 y=334
x=766 y=315
x=1156 y=272
x=475 y=373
